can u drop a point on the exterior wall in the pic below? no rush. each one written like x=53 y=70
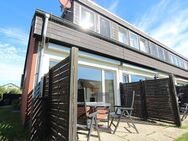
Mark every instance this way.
x=86 y=41
x=57 y=53
x=29 y=73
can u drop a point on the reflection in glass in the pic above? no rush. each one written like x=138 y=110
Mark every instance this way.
x=109 y=87
x=123 y=36
x=90 y=83
x=125 y=78
x=87 y=19
x=144 y=45
x=104 y=27
x=160 y=51
x=153 y=49
x=136 y=78
x=134 y=40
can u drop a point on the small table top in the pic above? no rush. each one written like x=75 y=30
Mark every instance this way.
x=95 y=104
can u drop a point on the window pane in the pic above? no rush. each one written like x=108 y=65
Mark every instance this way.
x=166 y=56
x=52 y=63
x=123 y=36
x=134 y=40
x=109 y=87
x=104 y=27
x=87 y=19
x=125 y=78
x=153 y=49
x=185 y=65
x=90 y=83
x=136 y=78
x=144 y=45
x=160 y=53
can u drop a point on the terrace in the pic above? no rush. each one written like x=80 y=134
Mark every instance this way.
x=52 y=110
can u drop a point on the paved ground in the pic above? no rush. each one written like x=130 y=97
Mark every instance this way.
x=147 y=132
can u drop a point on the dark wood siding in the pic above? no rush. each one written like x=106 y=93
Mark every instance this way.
x=70 y=35
x=38 y=25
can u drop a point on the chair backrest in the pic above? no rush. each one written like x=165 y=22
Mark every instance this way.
x=127 y=100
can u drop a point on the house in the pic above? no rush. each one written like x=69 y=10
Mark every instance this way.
x=10 y=86
x=110 y=51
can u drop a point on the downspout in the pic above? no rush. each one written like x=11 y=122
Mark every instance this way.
x=42 y=45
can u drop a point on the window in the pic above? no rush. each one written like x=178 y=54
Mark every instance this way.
x=160 y=53
x=144 y=45
x=123 y=36
x=136 y=78
x=87 y=19
x=153 y=49
x=52 y=63
x=90 y=83
x=125 y=78
x=185 y=65
x=104 y=27
x=134 y=40
x=109 y=87
x=166 y=56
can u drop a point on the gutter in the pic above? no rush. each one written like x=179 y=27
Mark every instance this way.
x=42 y=45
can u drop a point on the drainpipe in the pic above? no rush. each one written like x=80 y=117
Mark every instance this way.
x=42 y=45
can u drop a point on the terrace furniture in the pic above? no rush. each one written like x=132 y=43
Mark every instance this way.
x=86 y=120
x=103 y=112
x=185 y=111
x=124 y=112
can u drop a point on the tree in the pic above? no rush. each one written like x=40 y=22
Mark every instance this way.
x=2 y=91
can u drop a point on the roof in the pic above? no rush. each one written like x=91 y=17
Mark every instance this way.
x=11 y=85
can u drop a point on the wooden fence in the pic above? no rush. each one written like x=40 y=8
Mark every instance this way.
x=54 y=109
x=155 y=99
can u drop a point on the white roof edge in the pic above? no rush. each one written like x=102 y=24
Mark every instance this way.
x=136 y=28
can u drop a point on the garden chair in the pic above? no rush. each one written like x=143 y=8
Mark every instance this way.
x=124 y=111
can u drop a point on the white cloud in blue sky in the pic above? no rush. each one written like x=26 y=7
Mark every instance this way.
x=167 y=22
x=12 y=54
x=113 y=6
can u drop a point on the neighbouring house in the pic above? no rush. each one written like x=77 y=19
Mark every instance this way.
x=111 y=51
x=10 y=86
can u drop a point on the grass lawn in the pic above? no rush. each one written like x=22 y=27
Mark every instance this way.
x=11 y=128
x=184 y=137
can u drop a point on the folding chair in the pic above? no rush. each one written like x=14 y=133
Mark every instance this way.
x=124 y=112
x=86 y=119
x=185 y=111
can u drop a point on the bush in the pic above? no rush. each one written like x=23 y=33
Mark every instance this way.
x=16 y=104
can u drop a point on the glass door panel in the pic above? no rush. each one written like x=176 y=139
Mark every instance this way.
x=109 y=87
x=89 y=84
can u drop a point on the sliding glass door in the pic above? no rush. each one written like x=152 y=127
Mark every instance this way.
x=95 y=84
x=109 y=86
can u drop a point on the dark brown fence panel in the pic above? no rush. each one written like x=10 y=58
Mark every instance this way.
x=158 y=100
x=155 y=99
x=38 y=120
x=28 y=110
x=62 y=99
x=126 y=90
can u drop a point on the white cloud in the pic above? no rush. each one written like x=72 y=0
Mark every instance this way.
x=167 y=22
x=13 y=44
x=113 y=6
x=15 y=33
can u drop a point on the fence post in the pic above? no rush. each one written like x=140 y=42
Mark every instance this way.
x=174 y=100
x=143 y=100
x=73 y=94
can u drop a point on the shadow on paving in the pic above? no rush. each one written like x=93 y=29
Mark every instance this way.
x=11 y=128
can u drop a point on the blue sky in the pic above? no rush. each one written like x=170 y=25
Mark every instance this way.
x=165 y=20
